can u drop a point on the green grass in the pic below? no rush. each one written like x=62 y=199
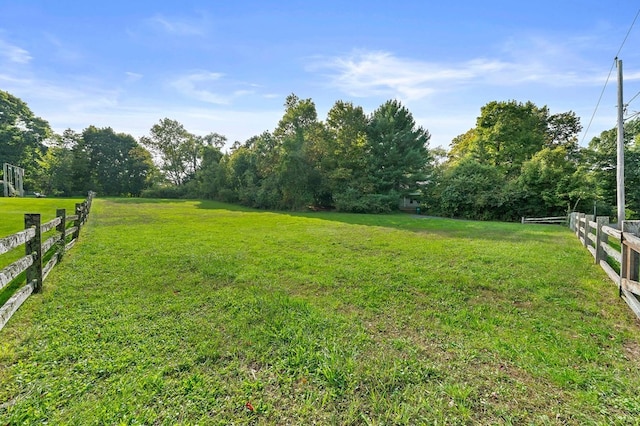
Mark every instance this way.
x=12 y=211
x=183 y=312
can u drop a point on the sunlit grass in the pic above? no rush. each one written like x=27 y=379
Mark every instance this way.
x=190 y=312
x=12 y=211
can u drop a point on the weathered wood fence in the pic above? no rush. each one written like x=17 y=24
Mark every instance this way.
x=67 y=230
x=552 y=219
x=616 y=250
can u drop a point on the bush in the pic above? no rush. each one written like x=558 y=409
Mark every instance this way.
x=165 y=192
x=354 y=201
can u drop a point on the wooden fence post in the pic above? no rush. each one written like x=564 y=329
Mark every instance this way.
x=572 y=221
x=579 y=228
x=78 y=222
x=62 y=229
x=587 y=228
x=629 y=263
x=89 y=200
x=601 y=238
x=33 y=247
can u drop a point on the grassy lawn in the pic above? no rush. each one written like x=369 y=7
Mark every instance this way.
x=12 y=212
x=190 y=312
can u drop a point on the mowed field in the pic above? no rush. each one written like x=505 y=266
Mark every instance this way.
x=192 y=312
x=12 y=211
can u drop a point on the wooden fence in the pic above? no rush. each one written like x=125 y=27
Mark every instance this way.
x=616 y=250
x=552 y=219
x=67 y=230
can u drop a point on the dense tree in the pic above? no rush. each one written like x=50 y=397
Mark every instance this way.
x=55 y=174
x=532 y=158
x=399 y=148
x=299 y=135
x=117 y=164
x=177 y=150
x=210 y=178
x=550 y=184
x=562 y=130
x=139 y=171
x=22 y=136
x=398 y=157
x=509 y=133
x=472 y=190
x=601 y=160
x=517 y=160
x=306 y=162
x=347 y=155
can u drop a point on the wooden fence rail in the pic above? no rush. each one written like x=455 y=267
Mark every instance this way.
x=617 y=251
x=36 y=251
x=552 y=219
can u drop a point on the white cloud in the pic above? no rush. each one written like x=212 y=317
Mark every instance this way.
x=212 y=87
x=179 y=26
x=13 y=53
x=138 y=119
x=133 y=76
x=81 y=93
x=196 y=85
x=364 y=74
x=61 y=50
x=379 y=73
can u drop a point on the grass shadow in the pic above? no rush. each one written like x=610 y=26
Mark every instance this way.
x=497 y=231
x=485 y=230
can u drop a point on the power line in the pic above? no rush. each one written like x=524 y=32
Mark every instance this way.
x=628 y=32
x=631 y=100
x=609 y=76
x=584 y=135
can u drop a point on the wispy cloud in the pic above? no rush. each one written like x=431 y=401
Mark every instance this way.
x=13 y=53
x=211 y=87
x=63 y=50
x=375 y=73
x=72 y=97
x=180 y=26
x=199 y=86
x=132 y=76
x=365 y=74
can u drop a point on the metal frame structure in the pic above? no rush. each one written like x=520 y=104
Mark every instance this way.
x=13 y=176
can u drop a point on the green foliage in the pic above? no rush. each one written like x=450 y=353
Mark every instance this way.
x=165 y=192
x=517 y=161
x=398 y=150
x=601 y=158
x=351 y=163
x=117 y=165
x=472 y=190
x=56 y=172
x=183 y=312
x=22 y=136
x=176 y=148
x=550 y=185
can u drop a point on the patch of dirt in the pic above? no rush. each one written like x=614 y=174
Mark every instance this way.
x=632 y=351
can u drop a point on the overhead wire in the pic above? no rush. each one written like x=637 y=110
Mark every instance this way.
x=609 y=76
x=631 y=100
x=628 y=32
x=584 y=135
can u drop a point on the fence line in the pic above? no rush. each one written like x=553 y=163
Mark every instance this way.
x=36 y=251
x=616 y=250
x=552 y=219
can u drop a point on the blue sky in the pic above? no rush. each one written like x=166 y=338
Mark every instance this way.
x=226 y=67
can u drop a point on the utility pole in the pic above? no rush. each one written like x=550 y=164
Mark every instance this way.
x=620 y=157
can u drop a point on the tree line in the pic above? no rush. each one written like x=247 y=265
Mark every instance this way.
x=518 y=160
